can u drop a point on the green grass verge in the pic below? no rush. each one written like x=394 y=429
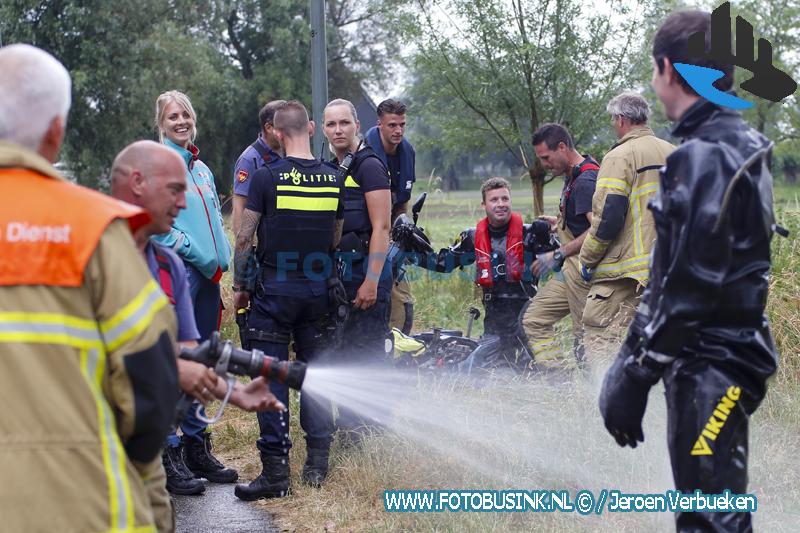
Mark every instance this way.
x=545 y=436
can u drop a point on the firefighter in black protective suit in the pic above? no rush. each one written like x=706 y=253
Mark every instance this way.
x=701 y=325
x=503 y=248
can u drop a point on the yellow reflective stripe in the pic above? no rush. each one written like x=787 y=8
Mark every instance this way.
x=49 y=328
x=646 y=189
x=593 y=244
x=614 y=183
x=635 y=261
x=350 y=182
x=545 y=348
x=134 y=317
x=299 y=203
x=49 y=318
x=300 y=188
x=93 y=362
x=82 y=334
x=639 y=275
x=638 y=192
x=544 y=342
x=140 y=529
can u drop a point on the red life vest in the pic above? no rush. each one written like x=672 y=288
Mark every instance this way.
x=576 y=171
x=514 y=252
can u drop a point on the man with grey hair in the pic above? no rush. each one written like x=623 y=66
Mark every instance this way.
x=616 y=252
x=82 y=319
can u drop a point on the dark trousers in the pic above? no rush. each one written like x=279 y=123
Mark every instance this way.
x=296 y=316
x=364 y=344
x=206 y=300
x=502 y=317
x=708 y=407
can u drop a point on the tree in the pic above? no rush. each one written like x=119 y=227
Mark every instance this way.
x=497 y=69
x=229 y=57
x=778 y=22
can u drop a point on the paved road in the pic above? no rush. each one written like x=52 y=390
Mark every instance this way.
x=218 y=510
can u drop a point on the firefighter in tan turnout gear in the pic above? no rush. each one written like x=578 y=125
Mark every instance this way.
x=565 y=292
x=87 y=338
x=615 y=255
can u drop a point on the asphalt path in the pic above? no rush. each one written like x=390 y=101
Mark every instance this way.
x=218 y=510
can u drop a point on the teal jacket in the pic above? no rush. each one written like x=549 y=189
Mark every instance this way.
x=198 y=235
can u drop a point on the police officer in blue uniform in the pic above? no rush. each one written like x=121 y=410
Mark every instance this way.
x=296 y=208
x=388 y=141
x=366 y=274
x=264 y=150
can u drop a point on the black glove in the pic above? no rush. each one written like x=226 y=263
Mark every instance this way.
x=623 y=399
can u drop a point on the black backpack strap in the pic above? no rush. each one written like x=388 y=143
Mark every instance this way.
x=262 y=152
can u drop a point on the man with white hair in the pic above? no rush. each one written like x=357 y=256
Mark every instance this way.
x=87 y=338
x=616 y=252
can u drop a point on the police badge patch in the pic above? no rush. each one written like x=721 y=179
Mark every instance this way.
x=242 y=176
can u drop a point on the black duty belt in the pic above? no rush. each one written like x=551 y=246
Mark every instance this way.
x=267 y=336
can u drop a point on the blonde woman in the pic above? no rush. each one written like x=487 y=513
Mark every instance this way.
x=198 y=237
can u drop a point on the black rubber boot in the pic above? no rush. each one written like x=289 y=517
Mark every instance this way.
x=273 y=482
x=202 y=462
x=316 y=468
x=179 y=479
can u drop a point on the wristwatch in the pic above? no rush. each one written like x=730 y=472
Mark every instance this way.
x=558 y=260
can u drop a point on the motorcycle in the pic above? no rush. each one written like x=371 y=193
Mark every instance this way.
x=445 y=349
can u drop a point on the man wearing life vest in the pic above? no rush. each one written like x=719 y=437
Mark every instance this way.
x=87 y=337
x=565 y=293
x=502 y=247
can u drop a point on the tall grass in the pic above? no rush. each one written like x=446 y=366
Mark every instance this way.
x=578 y=451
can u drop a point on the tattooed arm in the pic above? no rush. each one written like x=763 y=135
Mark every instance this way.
x=243 y=261
x=337 y=232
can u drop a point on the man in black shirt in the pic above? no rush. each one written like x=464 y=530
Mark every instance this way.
x=565 y=293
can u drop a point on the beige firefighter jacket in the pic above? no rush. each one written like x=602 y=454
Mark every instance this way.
x=630 y=172
x=86 y=366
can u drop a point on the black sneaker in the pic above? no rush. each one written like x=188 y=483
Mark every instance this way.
x=273 y=482
x=202 y=463
x=179 y=479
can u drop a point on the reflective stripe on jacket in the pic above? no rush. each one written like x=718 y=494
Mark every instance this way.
x=622 y=233
x=80 y=321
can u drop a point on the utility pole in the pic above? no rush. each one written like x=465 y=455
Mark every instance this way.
x=319 y=70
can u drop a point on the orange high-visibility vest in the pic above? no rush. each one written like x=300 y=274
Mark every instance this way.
x=49 y=228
